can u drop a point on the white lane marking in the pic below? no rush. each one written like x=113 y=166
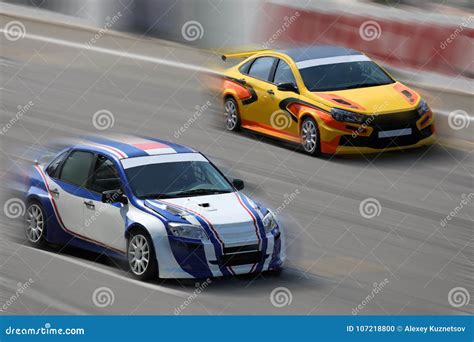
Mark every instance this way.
x=117 y=53
x=72 y=260
x=332 y=60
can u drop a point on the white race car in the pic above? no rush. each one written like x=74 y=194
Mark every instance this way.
x=163 y=206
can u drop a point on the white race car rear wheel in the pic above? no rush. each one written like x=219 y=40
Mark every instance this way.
x=35 y=224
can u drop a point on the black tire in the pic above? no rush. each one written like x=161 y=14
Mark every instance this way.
x=137 y=256
x=311 y=145
x=35 y=224
x=232 y=115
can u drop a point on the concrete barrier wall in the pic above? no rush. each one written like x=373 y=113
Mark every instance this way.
x=421 y=46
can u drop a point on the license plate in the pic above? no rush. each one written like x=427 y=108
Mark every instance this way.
x=395 y=133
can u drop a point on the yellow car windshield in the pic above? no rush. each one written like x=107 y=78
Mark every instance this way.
x=342 y=76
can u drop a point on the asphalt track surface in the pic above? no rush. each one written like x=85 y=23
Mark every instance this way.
x=335 y=255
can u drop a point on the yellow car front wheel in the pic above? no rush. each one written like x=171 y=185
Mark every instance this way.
x=310 y=137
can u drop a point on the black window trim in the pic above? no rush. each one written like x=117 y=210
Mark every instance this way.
x=91 y=177
x=60 y=166
x=249 y=62
x=71 y=151
x=276 y=66
x=272 y=69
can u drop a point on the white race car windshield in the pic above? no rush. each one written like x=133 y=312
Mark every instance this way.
x=174 y=177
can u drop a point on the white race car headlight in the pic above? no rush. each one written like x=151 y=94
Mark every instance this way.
x=189 y=231
x=269 y=222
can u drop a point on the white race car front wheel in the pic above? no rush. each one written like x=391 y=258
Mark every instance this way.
x=141 y=256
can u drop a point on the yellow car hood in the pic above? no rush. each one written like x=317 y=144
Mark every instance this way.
x=394 y=97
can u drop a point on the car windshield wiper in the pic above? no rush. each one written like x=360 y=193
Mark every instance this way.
x=365 y=85
x=355 y=86
x=197 y=192
x=156 y=196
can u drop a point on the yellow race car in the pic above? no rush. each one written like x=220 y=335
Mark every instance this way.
x=328 y=99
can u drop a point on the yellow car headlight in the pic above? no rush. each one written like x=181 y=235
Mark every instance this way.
x=347 y=116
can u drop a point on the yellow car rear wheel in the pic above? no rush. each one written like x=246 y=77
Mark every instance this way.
x=232 y=115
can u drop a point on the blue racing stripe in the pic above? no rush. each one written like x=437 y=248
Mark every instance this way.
x=129 y=150
x=154 y=205
x=217 y=247
x=212 y=237
x=261 y=228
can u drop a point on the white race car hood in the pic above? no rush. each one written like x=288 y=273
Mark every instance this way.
x=227 y=213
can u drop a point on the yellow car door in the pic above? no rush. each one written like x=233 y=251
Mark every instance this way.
x=283 y=87
x=254 y=114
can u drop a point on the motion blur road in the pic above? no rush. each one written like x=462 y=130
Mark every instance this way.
x=336 y=256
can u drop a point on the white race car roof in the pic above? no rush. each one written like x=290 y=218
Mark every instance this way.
x=158 y=159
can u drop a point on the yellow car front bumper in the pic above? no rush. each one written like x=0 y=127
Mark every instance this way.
x=365 y=150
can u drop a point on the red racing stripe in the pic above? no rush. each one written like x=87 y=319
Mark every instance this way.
x=152 y=145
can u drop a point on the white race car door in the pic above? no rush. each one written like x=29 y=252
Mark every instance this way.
x=67 y=187
x=105 y=222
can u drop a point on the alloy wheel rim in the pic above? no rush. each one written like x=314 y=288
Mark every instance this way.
x=308 y=136
x=138 y=254
x=34 y=223
x=230 y=115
